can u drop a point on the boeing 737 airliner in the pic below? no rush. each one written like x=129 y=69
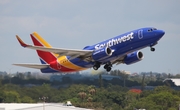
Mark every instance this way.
x=120 y=49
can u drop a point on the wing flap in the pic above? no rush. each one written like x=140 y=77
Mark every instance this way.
x=36 y=66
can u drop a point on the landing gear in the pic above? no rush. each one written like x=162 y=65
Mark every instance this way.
x=96 y=66
x=151 y=46
x=108 y=66
x=108 y=69
x=152 y=49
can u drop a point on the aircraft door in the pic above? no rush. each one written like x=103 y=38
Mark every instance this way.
x=140 y=34
x=59 y=66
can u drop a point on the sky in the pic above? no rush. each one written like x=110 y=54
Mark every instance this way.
x=75 y=24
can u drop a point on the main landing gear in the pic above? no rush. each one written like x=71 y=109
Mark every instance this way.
x=96 y=66
x=107 y=66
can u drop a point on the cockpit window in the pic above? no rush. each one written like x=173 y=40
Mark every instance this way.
x=150 y=30
x=154 y=28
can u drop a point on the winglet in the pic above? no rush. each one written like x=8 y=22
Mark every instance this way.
x=21 y=42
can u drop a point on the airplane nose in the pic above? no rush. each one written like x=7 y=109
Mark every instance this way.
x=161 y=33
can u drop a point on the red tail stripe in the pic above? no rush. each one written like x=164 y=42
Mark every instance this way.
x=46 y=56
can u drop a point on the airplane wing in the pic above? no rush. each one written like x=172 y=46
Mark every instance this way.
x=36 y=66
x=73 y=53
x=118 y=60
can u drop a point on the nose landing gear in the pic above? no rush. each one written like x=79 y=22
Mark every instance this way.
x=151 y=46
x=152 y=49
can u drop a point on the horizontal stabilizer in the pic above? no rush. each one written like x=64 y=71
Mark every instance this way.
x=36 y=66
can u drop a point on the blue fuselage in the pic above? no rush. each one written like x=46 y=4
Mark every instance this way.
x=124 y=44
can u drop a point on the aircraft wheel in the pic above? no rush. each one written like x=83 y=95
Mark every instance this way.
x=96 y=66
x=152 y=49
x=105 y=66
x=108 y=69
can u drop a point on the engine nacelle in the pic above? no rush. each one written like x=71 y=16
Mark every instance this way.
x=133 y=57
x=102 y=53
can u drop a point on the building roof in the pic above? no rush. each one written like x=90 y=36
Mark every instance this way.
x=176 y=81
x=37 y=106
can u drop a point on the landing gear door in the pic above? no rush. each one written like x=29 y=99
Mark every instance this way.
x=140 y=34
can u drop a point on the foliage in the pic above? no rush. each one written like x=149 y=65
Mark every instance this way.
x=11 y=96
x=100 y=94
x=111 y=98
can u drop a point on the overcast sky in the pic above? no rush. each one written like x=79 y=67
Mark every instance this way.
x=77 y=23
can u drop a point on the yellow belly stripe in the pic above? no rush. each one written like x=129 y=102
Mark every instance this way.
x=65 y=62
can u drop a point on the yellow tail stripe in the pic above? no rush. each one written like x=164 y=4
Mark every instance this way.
x=46 y=44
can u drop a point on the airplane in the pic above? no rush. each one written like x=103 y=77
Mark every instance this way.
x=122 y=49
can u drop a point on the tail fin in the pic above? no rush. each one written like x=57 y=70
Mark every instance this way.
x=45 y=57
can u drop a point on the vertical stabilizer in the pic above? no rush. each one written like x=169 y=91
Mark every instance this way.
x=45 y=57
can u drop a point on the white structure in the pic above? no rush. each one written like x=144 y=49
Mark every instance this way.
x=176 y=81
x=37 y=106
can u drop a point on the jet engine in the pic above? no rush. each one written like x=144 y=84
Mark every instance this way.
x=133 y=57
x=101 y=54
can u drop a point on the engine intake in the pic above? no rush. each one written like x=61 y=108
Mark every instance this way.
x=133 y=57
x=102 y=53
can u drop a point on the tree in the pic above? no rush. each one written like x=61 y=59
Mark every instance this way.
x=92 y=91
x=89 y=99
x=29 y=75
x=11 y=96
x=162 y=97
x=66 y=80
x=100 y=81
x=27 y=99
x=2 y=96
x=143 y=82
x=82 y=95
x=20 y=75
x=124 y=75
